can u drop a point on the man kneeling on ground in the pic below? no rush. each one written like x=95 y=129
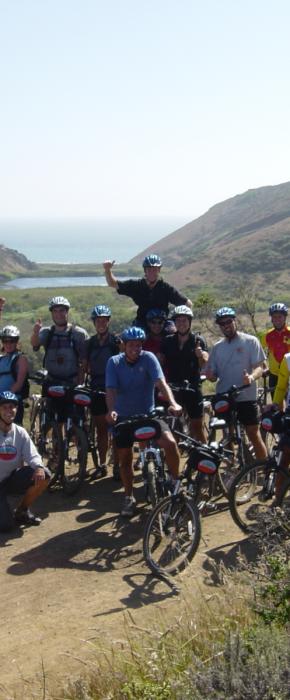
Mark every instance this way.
x=21 y=469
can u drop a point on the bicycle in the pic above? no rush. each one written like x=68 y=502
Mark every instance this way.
x=61 y=440
x=225 y=425
x=173 y=530
x=254 y=486
x=154 y=470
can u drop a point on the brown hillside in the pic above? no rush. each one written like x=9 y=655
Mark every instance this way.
x=243 y=238
x=13 y=263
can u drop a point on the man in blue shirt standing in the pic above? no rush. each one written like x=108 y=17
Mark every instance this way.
x=131 y=378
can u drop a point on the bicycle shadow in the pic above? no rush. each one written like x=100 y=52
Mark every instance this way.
x=229 y=556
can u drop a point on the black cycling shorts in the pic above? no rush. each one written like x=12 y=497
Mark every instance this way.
x=98 y=405
x=247 y=412
x=192 y=402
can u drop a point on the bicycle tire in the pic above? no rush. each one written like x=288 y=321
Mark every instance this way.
x=52 y=451
x=248 y=507
x=285 y=504
x=151 y=483
x=75 y=457
x=172 y=535
x=227 y=471
x=93 y=445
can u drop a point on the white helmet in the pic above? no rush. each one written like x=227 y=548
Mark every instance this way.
x=182 y=311
x=58 y=301
x=10 y=332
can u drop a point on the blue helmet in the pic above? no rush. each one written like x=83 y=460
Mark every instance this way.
x=101 y=310
x=133 y=333
x=224 y=312
x=152 y=261
x=8 y=397
x=279 y=307
x=156 y=313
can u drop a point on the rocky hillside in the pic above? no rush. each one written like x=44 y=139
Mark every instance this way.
x=13 y=263
x=243 y=239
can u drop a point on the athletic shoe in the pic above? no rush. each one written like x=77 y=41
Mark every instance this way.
x=129 y=507
x=26 y=517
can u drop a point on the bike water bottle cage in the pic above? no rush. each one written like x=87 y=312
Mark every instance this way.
x=133 y=333
x=58 y=301
x=278 y=307
x=8 y=397
x=101 y=310
x=152 y=261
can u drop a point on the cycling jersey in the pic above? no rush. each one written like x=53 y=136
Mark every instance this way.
x=283 y=381
x=277 y=343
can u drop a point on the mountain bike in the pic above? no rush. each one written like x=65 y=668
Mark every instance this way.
x=224 y=428
x=154 y=469
x=249 y=507
x=172 y=531
x=57 y=428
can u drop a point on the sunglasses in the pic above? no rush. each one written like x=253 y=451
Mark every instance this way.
x=226 y=323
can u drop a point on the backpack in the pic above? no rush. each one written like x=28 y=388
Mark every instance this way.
x=24 y=393
x=49 y=339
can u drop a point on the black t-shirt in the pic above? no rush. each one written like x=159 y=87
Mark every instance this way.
x=146 y=298
x=182 y=363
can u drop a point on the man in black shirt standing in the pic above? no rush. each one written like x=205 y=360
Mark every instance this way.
x=185 y=354
x=149 y=292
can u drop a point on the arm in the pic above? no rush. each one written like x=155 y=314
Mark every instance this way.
x=255 y=374
x=201 y=353
x=110 y=278
x=168 y=395
x=110 y=401
x=35 y=342
x=188 y=303
x=21 y=373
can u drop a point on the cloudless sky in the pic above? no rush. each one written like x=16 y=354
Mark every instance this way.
x=140 y=107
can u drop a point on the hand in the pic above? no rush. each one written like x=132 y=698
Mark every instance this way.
x=39 y=475
x=247 y=378
x=2 y=303
x=108 y=264
x=37 y=326
x=199 y=350
x=175 y=409
x=111 y=417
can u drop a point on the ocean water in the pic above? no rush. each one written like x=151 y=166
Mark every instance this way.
x=85 y=240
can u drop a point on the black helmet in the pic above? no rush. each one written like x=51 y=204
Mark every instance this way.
x=152 y=261
x=280 y=307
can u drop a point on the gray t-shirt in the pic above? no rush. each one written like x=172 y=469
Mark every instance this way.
x=228 y=360
x=17 y=450
x=65 y=350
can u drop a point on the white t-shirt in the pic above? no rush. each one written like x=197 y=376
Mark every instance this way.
x=17 y=450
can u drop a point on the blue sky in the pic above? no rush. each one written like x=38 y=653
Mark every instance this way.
x=130 y=108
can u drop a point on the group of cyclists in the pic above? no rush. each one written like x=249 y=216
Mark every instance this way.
x=130 y=372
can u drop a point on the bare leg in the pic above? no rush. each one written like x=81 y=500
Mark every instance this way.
x=197 y=429
x=102 y=435
x=126 y=469
x=254 y=435
x=172 y=457
x=32 y=493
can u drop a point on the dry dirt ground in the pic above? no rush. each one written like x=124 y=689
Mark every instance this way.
x=71 y=582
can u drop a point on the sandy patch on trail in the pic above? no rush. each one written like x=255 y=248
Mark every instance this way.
x=69 y=582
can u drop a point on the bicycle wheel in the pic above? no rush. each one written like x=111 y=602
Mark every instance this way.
x=151 y=484
x=248 y=507
x=172 y=535
x=74 y=460
x=51 y=450
x=230 y=468
x=285 y=505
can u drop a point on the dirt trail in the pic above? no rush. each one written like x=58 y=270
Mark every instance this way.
x=69 y=582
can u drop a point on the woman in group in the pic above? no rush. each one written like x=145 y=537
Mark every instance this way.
x=13 y=368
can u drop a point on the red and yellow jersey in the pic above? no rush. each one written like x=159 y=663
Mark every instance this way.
x=277 y=343
x=283 y=381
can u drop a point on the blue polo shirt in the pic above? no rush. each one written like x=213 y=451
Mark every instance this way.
x=133 y=383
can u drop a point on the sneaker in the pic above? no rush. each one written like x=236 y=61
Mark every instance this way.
x=129 y=507
x=100 y=471
x=26 y=517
